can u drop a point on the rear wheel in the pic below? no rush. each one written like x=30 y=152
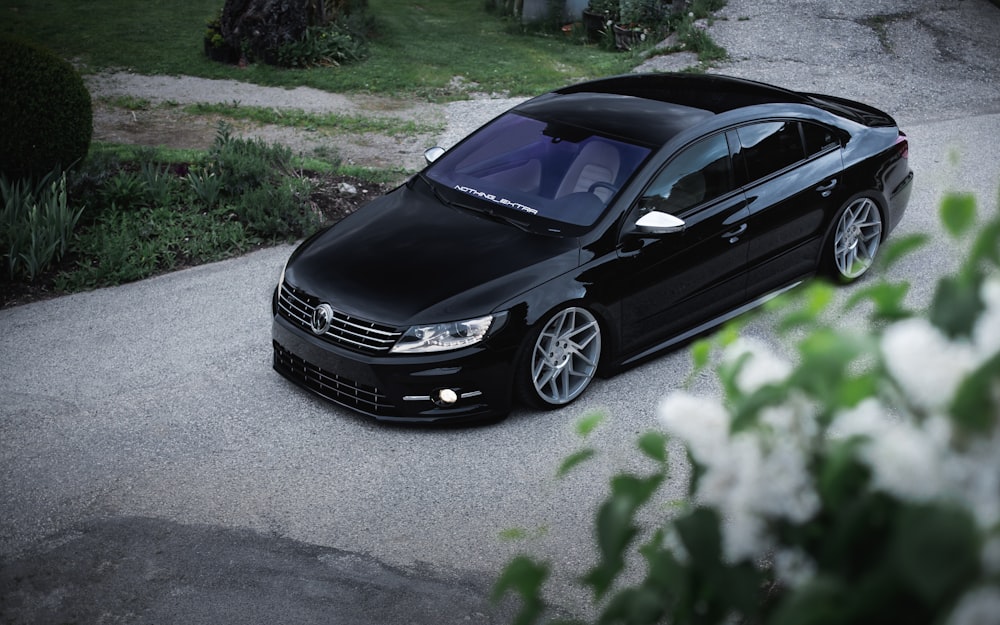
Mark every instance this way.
x=856 y=239
x=559 y=359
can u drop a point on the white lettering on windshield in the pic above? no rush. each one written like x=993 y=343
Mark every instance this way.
x=492 y=198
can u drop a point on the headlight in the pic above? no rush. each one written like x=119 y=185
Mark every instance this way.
x=441 y=337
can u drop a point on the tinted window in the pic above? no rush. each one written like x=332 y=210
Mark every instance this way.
x=818 y=138
x=770 y=146
x=700 y=173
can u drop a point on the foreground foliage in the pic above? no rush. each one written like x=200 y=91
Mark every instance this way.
x=859 y=485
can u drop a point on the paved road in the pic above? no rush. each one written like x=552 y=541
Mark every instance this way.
x=153 y=469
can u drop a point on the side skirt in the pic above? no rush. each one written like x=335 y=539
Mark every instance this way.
x=708 y=325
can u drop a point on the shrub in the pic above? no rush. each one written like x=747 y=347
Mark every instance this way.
x=45 y=111
x=860 y=485
x=322 y=46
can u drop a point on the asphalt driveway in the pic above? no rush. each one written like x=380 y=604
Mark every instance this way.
x=154 y=469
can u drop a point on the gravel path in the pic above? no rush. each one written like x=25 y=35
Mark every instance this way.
x=163 y=124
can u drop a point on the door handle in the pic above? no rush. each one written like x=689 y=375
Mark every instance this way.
x=734 y=235
x=826 y=189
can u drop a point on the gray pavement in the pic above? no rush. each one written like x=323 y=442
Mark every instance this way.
x=154 y=469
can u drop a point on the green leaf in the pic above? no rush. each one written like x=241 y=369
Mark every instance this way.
x=742 y=586
x=826 y=356
x=701 y=351
x=840 y=476
x=818 y=295
x=525 y=577
x=986 y=247
x=818 y=602
x=634 y=606
x=975 y=403
x=746 y=409
x=854 y=390
x=615 y=527
x=665 y=572
x=587 y=424
x=956 y=304
x=700 y=533
x=811 y=302
x=886 y=297
x=900 y=248
x=958 y=212
x=575 y=459
x=935 y=550
x=654 y=445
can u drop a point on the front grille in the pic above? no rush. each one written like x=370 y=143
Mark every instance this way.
x=336 y=388
x=357 y=334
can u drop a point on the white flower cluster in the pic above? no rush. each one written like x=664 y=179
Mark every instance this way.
x=753 y=476
x=760 y=475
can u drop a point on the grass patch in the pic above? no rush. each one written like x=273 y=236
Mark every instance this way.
x=419 y=49
x=347 y=124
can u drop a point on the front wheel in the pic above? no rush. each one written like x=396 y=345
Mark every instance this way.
x=856 y=239
x=560 y=359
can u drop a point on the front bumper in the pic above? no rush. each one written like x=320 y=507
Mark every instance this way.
x=394 y=387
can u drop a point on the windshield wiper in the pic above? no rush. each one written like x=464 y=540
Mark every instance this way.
x=495 y=216
x=481 y=209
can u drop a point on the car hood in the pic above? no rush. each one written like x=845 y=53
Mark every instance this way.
x=408 y=258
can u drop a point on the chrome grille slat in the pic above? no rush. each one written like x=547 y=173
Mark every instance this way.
x=345 y=330
x=331 y=386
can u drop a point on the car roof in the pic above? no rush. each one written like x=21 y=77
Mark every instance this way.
x=635 y=120
x=717 y=94
x=651 y=108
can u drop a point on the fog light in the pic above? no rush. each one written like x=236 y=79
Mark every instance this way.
x=445 y=397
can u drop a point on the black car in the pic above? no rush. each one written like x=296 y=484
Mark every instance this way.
x=580 y=232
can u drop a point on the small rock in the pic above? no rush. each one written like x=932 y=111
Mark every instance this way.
x=348 y=189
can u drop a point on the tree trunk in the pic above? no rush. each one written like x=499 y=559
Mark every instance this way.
x=259 y=27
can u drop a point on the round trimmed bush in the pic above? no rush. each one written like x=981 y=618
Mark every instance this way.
x=45 y=111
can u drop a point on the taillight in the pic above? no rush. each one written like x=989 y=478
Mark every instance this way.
x=902 y=145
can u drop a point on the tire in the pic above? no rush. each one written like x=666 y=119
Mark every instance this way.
x=855 y=240
x=559 y=359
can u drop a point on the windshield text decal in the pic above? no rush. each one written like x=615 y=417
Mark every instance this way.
x=501 y=200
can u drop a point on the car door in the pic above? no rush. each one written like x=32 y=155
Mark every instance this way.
x=794 y=173
x=671 y=282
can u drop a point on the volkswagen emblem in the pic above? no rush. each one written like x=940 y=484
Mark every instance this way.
x=321 y=319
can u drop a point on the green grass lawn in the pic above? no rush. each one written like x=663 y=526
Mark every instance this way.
x=420 y=48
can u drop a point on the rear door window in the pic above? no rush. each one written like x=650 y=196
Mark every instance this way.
x=768 y=147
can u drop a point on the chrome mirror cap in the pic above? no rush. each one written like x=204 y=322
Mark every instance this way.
x=433 y=154
x=655 y=222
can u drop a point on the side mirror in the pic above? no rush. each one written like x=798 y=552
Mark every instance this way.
x=655 y=222
x=433 y=154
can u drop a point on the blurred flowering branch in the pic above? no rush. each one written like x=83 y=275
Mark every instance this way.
x=859 y=484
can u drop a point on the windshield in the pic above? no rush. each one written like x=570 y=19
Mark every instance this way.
x=539 y=170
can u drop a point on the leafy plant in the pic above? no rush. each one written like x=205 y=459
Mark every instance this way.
x=158 y=184
x=206 y=186
x=122 y=190
x=36 y=223
x=323 y=46
x=858 y=485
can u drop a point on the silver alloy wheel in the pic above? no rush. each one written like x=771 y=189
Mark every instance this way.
x=565 y=356
x=858 y=235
